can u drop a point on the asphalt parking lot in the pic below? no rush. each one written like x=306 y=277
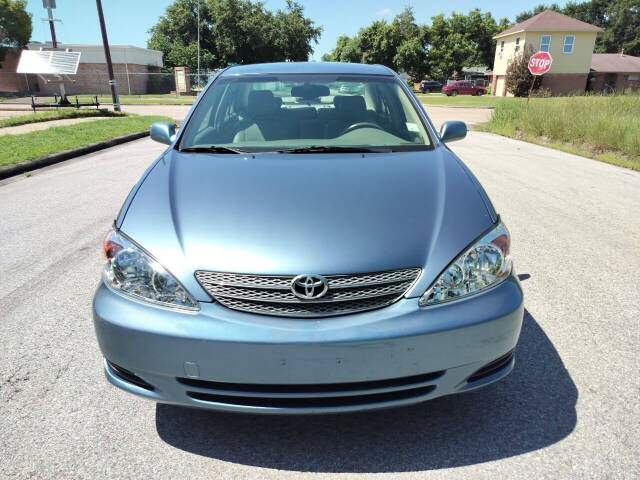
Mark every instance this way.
x=569 y=409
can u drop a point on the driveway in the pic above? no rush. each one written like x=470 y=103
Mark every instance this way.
x=569 y=409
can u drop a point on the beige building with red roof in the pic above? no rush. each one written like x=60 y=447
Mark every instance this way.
x=569 y=41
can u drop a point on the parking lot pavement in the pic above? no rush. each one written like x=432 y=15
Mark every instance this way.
x=569 y=409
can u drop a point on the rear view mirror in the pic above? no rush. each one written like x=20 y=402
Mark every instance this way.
x=454 y=130
x=163 y=132
x=310 y=91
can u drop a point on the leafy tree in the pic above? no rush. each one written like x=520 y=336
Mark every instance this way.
x=238 y=31
x=400 y=44
x=407 y=46
x=15 y=25
x=620 y=20
x=518 y=77
x=622 y=28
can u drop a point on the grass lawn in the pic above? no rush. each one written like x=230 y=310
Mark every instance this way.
x=461 y=100
x=159 y=98
x=19 y=148
x=606 y=128
x=57 y=115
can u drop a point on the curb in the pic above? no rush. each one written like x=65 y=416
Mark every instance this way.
x=11 y=170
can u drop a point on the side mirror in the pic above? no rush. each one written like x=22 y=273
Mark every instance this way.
x=454 y=130
x=163 y=132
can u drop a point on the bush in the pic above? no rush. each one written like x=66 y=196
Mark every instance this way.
x=518 y=77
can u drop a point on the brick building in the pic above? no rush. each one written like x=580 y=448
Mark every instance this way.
x=132 y=67
x=614 y=72
x=569 y=41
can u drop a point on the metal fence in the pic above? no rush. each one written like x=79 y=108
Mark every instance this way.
x=128 y=83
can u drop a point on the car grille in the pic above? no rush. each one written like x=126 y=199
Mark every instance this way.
x=272 y=295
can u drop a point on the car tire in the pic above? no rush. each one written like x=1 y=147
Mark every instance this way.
x=454 y=93
x=479 y=93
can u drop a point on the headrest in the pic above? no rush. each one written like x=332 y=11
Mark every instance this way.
x=261 y=102
x=351 y=104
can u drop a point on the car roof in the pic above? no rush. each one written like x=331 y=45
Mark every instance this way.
x=308 y=67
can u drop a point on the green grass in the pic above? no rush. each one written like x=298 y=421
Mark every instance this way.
x=606 y=128
x=462 y=100
x=19 y=148
x=57 y=115
x=152 y=98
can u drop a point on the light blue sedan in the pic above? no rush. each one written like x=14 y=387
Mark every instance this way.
x=301 y=249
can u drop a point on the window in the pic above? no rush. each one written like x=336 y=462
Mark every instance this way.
x=501 y=47
x=517 y=44
x=545 y=42
x=633 y=78
x=267 y=113
x=568 y=44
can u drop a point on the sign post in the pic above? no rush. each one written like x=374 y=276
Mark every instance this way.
x=539 y=64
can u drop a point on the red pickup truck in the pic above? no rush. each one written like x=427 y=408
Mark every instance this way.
x=463 y=88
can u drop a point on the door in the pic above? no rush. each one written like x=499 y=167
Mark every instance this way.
x=500 y=87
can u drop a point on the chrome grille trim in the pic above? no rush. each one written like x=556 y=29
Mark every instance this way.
x=272 y=295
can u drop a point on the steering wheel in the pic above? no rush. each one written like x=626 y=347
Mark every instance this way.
x=357 y=125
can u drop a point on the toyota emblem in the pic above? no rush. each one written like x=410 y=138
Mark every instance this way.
x=309 y=287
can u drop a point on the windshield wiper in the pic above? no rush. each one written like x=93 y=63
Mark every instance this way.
x=334 y=149
x=210 y=149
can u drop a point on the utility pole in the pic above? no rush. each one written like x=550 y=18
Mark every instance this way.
x=107 y=55
x=198 y=43
x=50 y=5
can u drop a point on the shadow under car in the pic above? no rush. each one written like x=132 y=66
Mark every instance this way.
x=530 y=409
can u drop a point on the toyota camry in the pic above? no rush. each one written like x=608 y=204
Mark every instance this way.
x=307 y=243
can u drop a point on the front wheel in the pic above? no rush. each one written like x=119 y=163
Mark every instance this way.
x=479 y=93
x=454 y=93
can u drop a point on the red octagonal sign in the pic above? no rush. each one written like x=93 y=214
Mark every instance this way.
x=540 y=63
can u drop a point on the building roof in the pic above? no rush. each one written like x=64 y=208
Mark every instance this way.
x=308 y=67
x=615 y=62
x=550 y=20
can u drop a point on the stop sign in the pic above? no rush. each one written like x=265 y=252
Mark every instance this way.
x=540 y=63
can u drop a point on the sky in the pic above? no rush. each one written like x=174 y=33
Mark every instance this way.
x=128 y=21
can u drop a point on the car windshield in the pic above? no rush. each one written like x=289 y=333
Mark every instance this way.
x=305 y=113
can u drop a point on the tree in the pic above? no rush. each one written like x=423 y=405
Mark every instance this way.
x=15 y=25
x=407 y=46
x=622 y=30
x=238 y=31
x=620 y=20
x=518 y=77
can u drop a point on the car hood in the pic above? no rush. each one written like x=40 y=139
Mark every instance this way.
x=306 y=213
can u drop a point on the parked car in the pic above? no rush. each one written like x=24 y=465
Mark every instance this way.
x=291 y=254
x=463 y=88
x=430 y=86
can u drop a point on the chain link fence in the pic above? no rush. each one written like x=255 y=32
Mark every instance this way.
x=17 y=85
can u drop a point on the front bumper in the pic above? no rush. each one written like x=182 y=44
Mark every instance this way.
x=227 y=360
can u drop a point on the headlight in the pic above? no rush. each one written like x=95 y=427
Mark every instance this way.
x=485 y=264
x=133 y=271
